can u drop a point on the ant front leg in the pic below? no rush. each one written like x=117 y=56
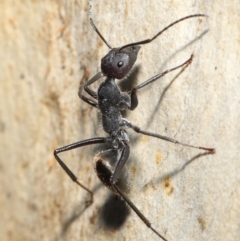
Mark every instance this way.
x=134 y=99
x=89 y=91
x=97 y=140
x=89 y=101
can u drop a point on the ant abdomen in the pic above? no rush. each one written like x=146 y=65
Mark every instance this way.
x=105 y=164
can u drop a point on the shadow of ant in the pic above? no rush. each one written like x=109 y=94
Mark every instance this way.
x=158 y=104
x=76 y=213
x=112 y=214
x=179 y=169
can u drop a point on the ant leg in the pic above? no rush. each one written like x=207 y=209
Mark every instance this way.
x=94 y=78
x=97 y=140
x=136 y=210
x=158 y=76
x=123 y=159
x=89 y=101
x=89 y=91
x=151 y=80
x=138 y=130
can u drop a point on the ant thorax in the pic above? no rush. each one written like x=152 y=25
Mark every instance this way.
x=111 y=101
x=116 y=64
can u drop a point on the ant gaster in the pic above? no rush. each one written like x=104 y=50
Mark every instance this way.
x=110 y=100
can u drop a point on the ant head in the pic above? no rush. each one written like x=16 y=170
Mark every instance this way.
x=119 y=61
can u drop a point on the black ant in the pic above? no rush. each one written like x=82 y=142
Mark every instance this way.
x=110 y=100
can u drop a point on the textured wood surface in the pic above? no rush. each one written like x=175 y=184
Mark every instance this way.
x=47 y=48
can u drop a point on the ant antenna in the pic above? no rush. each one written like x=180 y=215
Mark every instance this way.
x=94 y=26
x=146 y=41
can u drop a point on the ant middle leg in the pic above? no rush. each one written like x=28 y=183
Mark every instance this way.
x=134 y=100
x=138 y=130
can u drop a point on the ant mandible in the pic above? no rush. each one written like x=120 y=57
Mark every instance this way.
x=110 y=100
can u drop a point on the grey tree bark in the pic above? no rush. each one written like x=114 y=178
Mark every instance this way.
x=48 y=48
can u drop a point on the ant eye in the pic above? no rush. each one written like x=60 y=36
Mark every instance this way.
x=133 y=48
x=120 y=64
